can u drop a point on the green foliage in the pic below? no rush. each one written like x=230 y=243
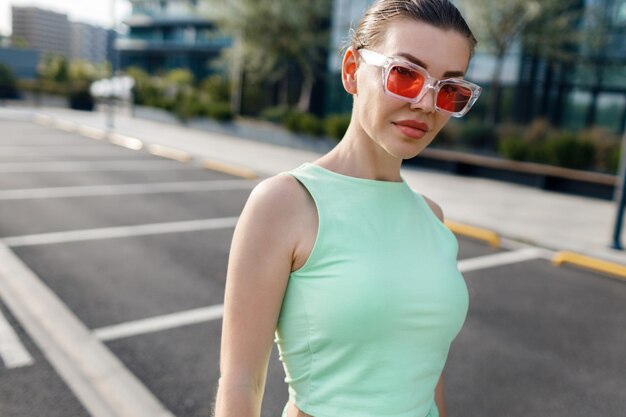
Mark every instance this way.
x=81 y=99
x=304 y=123
x=336 y=125
x=567 y=150
x=274 y=37
x=187 y=106
x=180 y=77
x=612 y=162
x=275 y=114
x=478 y=135
x=513 y=148
x=216 y=87
x=543 y=144
x=54 y=75
x=8 y=83
x=220 y=111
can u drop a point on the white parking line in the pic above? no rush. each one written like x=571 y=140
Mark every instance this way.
x=200 y=315
x=72 y=166
x=12 y=352
x=61 y=150
x=99 y=379
x=121 y=189
x=119 y=232
x=504 y=258
x=155 y=324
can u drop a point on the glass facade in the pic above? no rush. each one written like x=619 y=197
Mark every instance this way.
x=589 y=91
x=168 y=34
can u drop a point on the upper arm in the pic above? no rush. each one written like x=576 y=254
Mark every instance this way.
x=435 y=208
x=258 y=271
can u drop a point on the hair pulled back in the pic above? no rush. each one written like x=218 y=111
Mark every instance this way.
x=441 y=14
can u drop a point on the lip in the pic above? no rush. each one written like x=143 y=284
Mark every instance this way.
x=412 y=128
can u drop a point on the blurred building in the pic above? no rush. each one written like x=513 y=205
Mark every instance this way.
x=167 y=34
x=89 y=43
x=345 y=16
x=43 y=30
x=22 y=62
x=589 y=90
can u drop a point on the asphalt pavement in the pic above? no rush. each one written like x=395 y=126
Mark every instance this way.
x=113 y=262
x=556 y=221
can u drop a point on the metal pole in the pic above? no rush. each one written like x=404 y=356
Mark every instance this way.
x=620 y=197
x=111 y=99
x=237 y=75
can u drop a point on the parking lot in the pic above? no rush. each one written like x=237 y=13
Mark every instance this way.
x=133 y=250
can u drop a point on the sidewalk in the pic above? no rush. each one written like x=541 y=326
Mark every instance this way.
x=551 y=220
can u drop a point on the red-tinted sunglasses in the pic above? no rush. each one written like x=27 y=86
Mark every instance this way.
x=410 y=82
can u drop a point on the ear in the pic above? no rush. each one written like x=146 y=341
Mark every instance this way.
x=348 y=70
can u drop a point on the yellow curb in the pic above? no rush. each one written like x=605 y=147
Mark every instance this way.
x=473 y=232
x=170 y=153
x=594 y=264
x=92 y=132
x=43 y=119
x=230 y=169
x=66 y=125
x=125 y=141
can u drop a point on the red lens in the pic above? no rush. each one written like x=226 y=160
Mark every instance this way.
x=453 y=97
x=405 y=82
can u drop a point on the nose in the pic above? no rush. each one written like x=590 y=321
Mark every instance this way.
x=427 y=102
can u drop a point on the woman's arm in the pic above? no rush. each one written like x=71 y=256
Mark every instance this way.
x=258 y=270
x=440 y=397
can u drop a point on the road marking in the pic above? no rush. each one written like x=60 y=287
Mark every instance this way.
x=504 y=258
x=12 y=352
x=98 y=378
x=121 y=189
x=155 y=324
x=119 y=232
x=72 y=166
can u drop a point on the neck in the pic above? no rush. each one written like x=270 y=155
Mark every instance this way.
x=358 y=155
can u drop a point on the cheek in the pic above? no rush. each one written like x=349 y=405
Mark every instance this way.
x=440 y=121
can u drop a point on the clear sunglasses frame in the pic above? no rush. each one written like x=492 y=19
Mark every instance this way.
x=431 y=83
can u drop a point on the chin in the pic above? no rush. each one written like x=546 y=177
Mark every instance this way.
x=410 y=149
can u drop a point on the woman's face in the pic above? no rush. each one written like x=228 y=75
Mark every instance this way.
x=404 y=129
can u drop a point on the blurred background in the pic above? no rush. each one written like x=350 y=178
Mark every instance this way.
x=131 y=232
x=554 y=72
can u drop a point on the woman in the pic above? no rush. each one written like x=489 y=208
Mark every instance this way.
x=352 y=271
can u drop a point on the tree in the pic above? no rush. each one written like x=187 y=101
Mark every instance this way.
x=600 y=17
x=553 y=37
x=277 y=34
x=498 y=25
x=8 y=84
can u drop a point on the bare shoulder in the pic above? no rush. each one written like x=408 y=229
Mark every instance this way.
x=279 y=194
x=434 y=207
x=277 y=205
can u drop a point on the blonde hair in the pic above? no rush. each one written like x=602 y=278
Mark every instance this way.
x=439 y=13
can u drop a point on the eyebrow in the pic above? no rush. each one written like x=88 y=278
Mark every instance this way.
x=419 y=62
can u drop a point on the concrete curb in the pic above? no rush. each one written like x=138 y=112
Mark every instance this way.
x=491 y=238
x=588 y=262
x=138 y=144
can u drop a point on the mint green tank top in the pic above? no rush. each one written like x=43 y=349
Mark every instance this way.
x=366 y=323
